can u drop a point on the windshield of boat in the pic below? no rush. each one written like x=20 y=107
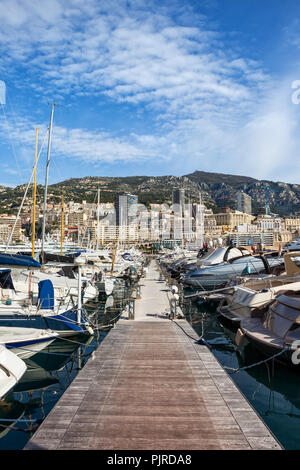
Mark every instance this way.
x=215 y=258
x=218 y=256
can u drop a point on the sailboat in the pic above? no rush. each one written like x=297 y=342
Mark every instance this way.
x=39 y=312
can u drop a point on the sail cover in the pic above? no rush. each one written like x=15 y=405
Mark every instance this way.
x=46 y=295
x=45 y=257
x=18 y=260
x=68 y=271
x=6 y=281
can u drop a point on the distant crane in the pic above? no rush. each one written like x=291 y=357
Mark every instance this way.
x=267 y=190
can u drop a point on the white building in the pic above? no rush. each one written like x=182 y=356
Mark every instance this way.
x=244 y=202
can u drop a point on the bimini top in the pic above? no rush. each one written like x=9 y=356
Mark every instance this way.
x=9 y=259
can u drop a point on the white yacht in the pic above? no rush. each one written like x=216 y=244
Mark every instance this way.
x=12 y=368
x=242 y=299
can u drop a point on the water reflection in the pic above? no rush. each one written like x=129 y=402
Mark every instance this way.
x=271 y=388
x=51 y=371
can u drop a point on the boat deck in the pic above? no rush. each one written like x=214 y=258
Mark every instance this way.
x=151 y=386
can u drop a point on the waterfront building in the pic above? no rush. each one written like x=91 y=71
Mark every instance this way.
x=179 y=196
x=77 y=218
x=269 y=223
x=126 y=208
x=251 y=238
x=122 y=233
x=6 y=225
x=292 y=224
x=244 y=202
x=178 y=200
x=231 y=219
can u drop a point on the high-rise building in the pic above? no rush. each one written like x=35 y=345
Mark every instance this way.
x=244 y=202
x=179 y=201
x=126 y=208
x=179 y=196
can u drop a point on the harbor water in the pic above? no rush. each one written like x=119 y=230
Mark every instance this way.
x=50 y=372
x=272 y=390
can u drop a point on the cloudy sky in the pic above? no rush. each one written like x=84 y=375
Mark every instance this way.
x=151 y=87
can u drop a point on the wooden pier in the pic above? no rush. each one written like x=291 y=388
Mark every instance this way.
x=150 y=386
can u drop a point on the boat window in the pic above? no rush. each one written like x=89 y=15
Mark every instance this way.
x=216 y=257
x=277 y=324
x=236 y=253
x=200 y=275
x=243 y=260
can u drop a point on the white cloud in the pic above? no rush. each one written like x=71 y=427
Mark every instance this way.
x=81 y=144
x=130 y=54
x=263 y=146
x=212 y=103
x=269 y=142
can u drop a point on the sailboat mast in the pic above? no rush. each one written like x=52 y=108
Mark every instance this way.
x=46 y=178
x=62 y=225
x=34 y=192
x=113 y=256
x=98 y=209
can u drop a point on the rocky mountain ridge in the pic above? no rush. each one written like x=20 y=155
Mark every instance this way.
x=217 y=191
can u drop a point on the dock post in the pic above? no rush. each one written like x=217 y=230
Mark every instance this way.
x=138 y=292
x=173 y=307
x=131 y=309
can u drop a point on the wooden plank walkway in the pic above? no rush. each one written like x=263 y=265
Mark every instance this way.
x=151 y=387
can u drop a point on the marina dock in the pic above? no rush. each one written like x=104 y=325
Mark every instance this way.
x=150 y=386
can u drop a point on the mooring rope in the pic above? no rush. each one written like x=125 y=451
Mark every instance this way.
x=201 y=340
x=238 y=369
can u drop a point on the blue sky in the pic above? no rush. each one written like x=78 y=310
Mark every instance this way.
x=150 y=87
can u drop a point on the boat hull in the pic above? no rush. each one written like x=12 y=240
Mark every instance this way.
x=268 y=350
x=64 y=324
x=266 y=342
x=12 y=368
x=28 y=348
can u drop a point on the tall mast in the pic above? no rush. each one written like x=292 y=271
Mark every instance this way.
x=98 y=209
x=62 y=225
x=34 y=193
x=46 y=178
